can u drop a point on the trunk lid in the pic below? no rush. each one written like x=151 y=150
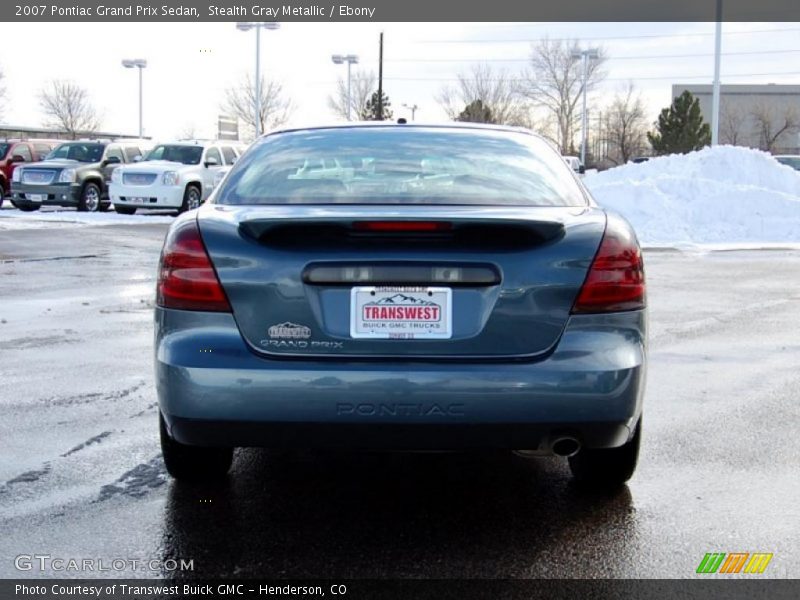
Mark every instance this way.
x=505 y=278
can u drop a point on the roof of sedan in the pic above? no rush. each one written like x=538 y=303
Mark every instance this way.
x=401 y=123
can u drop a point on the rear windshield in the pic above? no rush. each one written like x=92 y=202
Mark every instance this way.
x=402 y=165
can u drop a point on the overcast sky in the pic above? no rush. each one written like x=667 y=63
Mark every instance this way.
x=190 y=65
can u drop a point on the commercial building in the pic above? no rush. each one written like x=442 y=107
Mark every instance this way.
x=757 y=116
x=23 y=132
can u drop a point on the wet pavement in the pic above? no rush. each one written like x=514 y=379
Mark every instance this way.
x=81 y=474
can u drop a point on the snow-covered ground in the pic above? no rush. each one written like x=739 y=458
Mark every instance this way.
x=719 y=197
x=11 y=218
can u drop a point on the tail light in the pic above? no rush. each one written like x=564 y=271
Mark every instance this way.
x=615 y=281
x=186 y=278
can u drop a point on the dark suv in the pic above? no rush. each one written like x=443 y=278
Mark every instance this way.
x=74 y=174
x=14 y=152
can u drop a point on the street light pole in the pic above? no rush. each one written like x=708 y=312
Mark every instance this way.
x=137 y=63
x=413 y=108
x=583 y=114
x=716 y=89
x=140 y=104
x=585 y=55
x=257 y=101
x=349 y=96
x=350 y=59
x=258 y=82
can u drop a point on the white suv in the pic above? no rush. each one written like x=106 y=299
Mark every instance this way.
x=179 y=175
x=575 y=164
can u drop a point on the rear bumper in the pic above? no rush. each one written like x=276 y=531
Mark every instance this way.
x=65 y=194
x=387 y=436
x=213 y=390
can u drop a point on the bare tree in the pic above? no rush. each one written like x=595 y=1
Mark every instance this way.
x=495 y=90
x=187 y=132
x=67 y=107
x=553 y=81
x=625 y=126
x=772 y=123
x=732 y=120
x=362 y=85
x=240 y=103
x=531 y=118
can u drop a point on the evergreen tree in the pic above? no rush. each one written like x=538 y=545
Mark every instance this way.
x=476 y=112
x=680 y=127
x=370 y=112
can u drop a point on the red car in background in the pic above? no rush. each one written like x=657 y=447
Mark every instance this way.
x=13 y=152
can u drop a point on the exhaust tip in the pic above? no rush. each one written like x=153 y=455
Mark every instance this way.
x=565 y=446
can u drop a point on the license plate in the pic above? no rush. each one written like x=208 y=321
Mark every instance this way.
x=402 y=313
x=35 y=197
x=137 y=200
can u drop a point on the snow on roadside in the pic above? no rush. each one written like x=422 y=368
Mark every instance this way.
x=16 y=219
x=724 y=196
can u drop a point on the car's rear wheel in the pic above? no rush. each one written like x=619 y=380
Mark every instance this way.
x=191 y=198
x=607 y=467
x=193 y=463
x=90 y=198
x=125 y=210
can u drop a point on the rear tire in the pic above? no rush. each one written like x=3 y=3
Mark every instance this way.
x=193 y=463
x=125 y=210
x=192 y=198
x=90 y=198
x=607 y=467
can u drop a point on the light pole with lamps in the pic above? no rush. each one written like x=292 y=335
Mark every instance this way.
x=716 y=84
x=258 y=27
x=585 y=55
x=139 y=63
x=350 y=59
x=413 y=108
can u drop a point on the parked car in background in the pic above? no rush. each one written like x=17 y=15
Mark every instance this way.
x=16 y=152
x=179 y=175
x=485 y=302
x=73 y=174
x=575 y=164
x=639 y=159
x=790 y=160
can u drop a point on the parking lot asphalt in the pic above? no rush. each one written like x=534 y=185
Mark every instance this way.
x=81 y=474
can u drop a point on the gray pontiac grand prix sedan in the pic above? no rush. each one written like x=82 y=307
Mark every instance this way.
x=403 y=287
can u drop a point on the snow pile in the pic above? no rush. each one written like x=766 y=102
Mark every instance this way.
x=726 y=194
x=47 y=218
